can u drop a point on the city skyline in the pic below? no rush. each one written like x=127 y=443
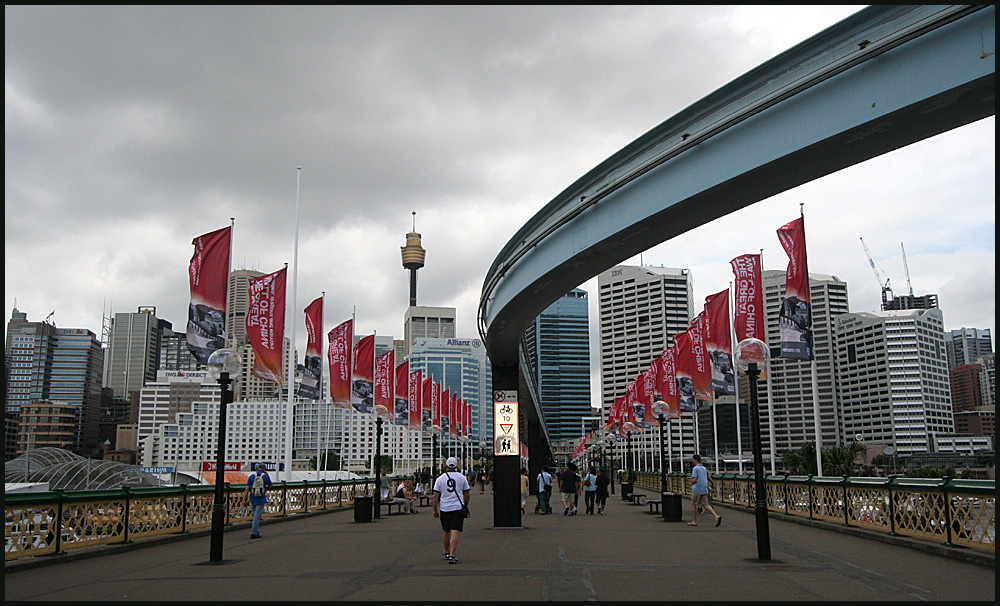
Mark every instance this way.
x=132 y=130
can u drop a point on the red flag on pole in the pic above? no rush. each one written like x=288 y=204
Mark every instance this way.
x=426 y=410
x=312 y=372
x=363 y=374
x=266 y=324
x=385 y=371
x=339 y=356
x=795 y=315
x=435 y=407
x=416 y=399
x=669 y=391
x=401 y=414
x=702 y=372
x=718 y=342
x=748 y=298
x=684 y=370
x=444 y=404
x=208 y=273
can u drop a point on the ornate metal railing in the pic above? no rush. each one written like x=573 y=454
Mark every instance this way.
x=952 y=512
x=46 y=523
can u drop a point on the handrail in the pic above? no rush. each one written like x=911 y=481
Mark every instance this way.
x=949 y=511
x=47 y=523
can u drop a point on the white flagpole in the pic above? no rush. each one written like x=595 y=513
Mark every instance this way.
x=770 y=393
x=229 y=274
x=815 y=379
x=732 y=347
x=289 y=407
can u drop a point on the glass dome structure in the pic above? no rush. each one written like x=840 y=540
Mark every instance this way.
x=64 y=470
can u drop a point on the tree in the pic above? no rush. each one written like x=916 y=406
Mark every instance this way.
x=837 y=461
x=331 y=460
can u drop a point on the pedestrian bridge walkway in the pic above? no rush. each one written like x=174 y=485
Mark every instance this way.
x=628 y=554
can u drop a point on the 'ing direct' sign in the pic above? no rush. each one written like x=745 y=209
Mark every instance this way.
x=506 y=442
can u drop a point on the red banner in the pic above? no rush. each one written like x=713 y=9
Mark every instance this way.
x=426 y=412
x=312 y=368
x=416 y=399
x=444 y=408
x=435 y=407
x=208 y=273
x=339 y=356
x=748 y=298
x=456 y=420
x=702 y=372
x=401 y=414
x=385 y=378
x=266 y=324
x=363 y=374
x=669 y=392
x=718 y=341
x=684 y=370
x=795 y=315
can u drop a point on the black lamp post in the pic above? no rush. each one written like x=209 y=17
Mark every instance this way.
x=224 y=366
x=751 y=357
x=380 y=412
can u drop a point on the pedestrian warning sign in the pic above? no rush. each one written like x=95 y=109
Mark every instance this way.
x=506 y=441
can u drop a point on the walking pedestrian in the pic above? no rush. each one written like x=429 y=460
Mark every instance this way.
x=603 y=481
x=482 y=480
x=590 y=489
x=451 y=498
x=256 y=492
x=545 y=491
x=569 y=485
x=699 y=492
x=384 y=486
x=524 y=488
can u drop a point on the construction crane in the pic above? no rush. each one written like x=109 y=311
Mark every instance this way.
x=883 y=280
x=906 y=268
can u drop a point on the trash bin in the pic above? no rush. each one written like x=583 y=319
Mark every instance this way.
x=671 y=506
x=626 y=491
x=363 y=509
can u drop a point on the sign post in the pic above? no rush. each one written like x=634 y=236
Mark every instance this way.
x=506 y=459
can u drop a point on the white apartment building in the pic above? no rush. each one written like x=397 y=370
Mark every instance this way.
x=173 y=392
x=791 y=391
x=641 y=309
x=893 y=383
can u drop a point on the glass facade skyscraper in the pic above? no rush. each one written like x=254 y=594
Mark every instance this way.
x=558 y=345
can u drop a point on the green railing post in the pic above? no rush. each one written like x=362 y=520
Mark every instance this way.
x=847 y=517
x=947 y=512
x=127 y=513
x=892 y=509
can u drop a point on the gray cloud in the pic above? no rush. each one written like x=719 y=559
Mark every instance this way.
x=131 y=130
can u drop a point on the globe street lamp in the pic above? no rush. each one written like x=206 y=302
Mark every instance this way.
x=752 y=357
x=611 y=461
x=224 y=366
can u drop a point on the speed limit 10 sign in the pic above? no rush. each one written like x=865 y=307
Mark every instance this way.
x=506 y=442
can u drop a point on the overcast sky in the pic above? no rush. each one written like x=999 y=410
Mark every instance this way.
x=128 y=131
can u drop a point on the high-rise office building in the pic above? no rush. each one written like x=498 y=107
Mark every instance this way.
x=791 y=380
x=964 y=345
x=893 y=378
x=420 y=322
x=239 y=305
x=641 y=309
x=133 y=350
x=175 y=354
x=61 y=365
x=558 y=345
x=460 y=366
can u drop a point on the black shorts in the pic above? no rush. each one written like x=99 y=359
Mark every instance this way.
x=452 y=520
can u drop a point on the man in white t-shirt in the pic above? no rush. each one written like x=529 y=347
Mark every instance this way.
x=451 y=493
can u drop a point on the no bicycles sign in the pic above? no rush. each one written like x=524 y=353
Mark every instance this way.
x=506 y=442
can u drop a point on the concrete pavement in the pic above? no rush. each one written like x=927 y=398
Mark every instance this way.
x=627 y=554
